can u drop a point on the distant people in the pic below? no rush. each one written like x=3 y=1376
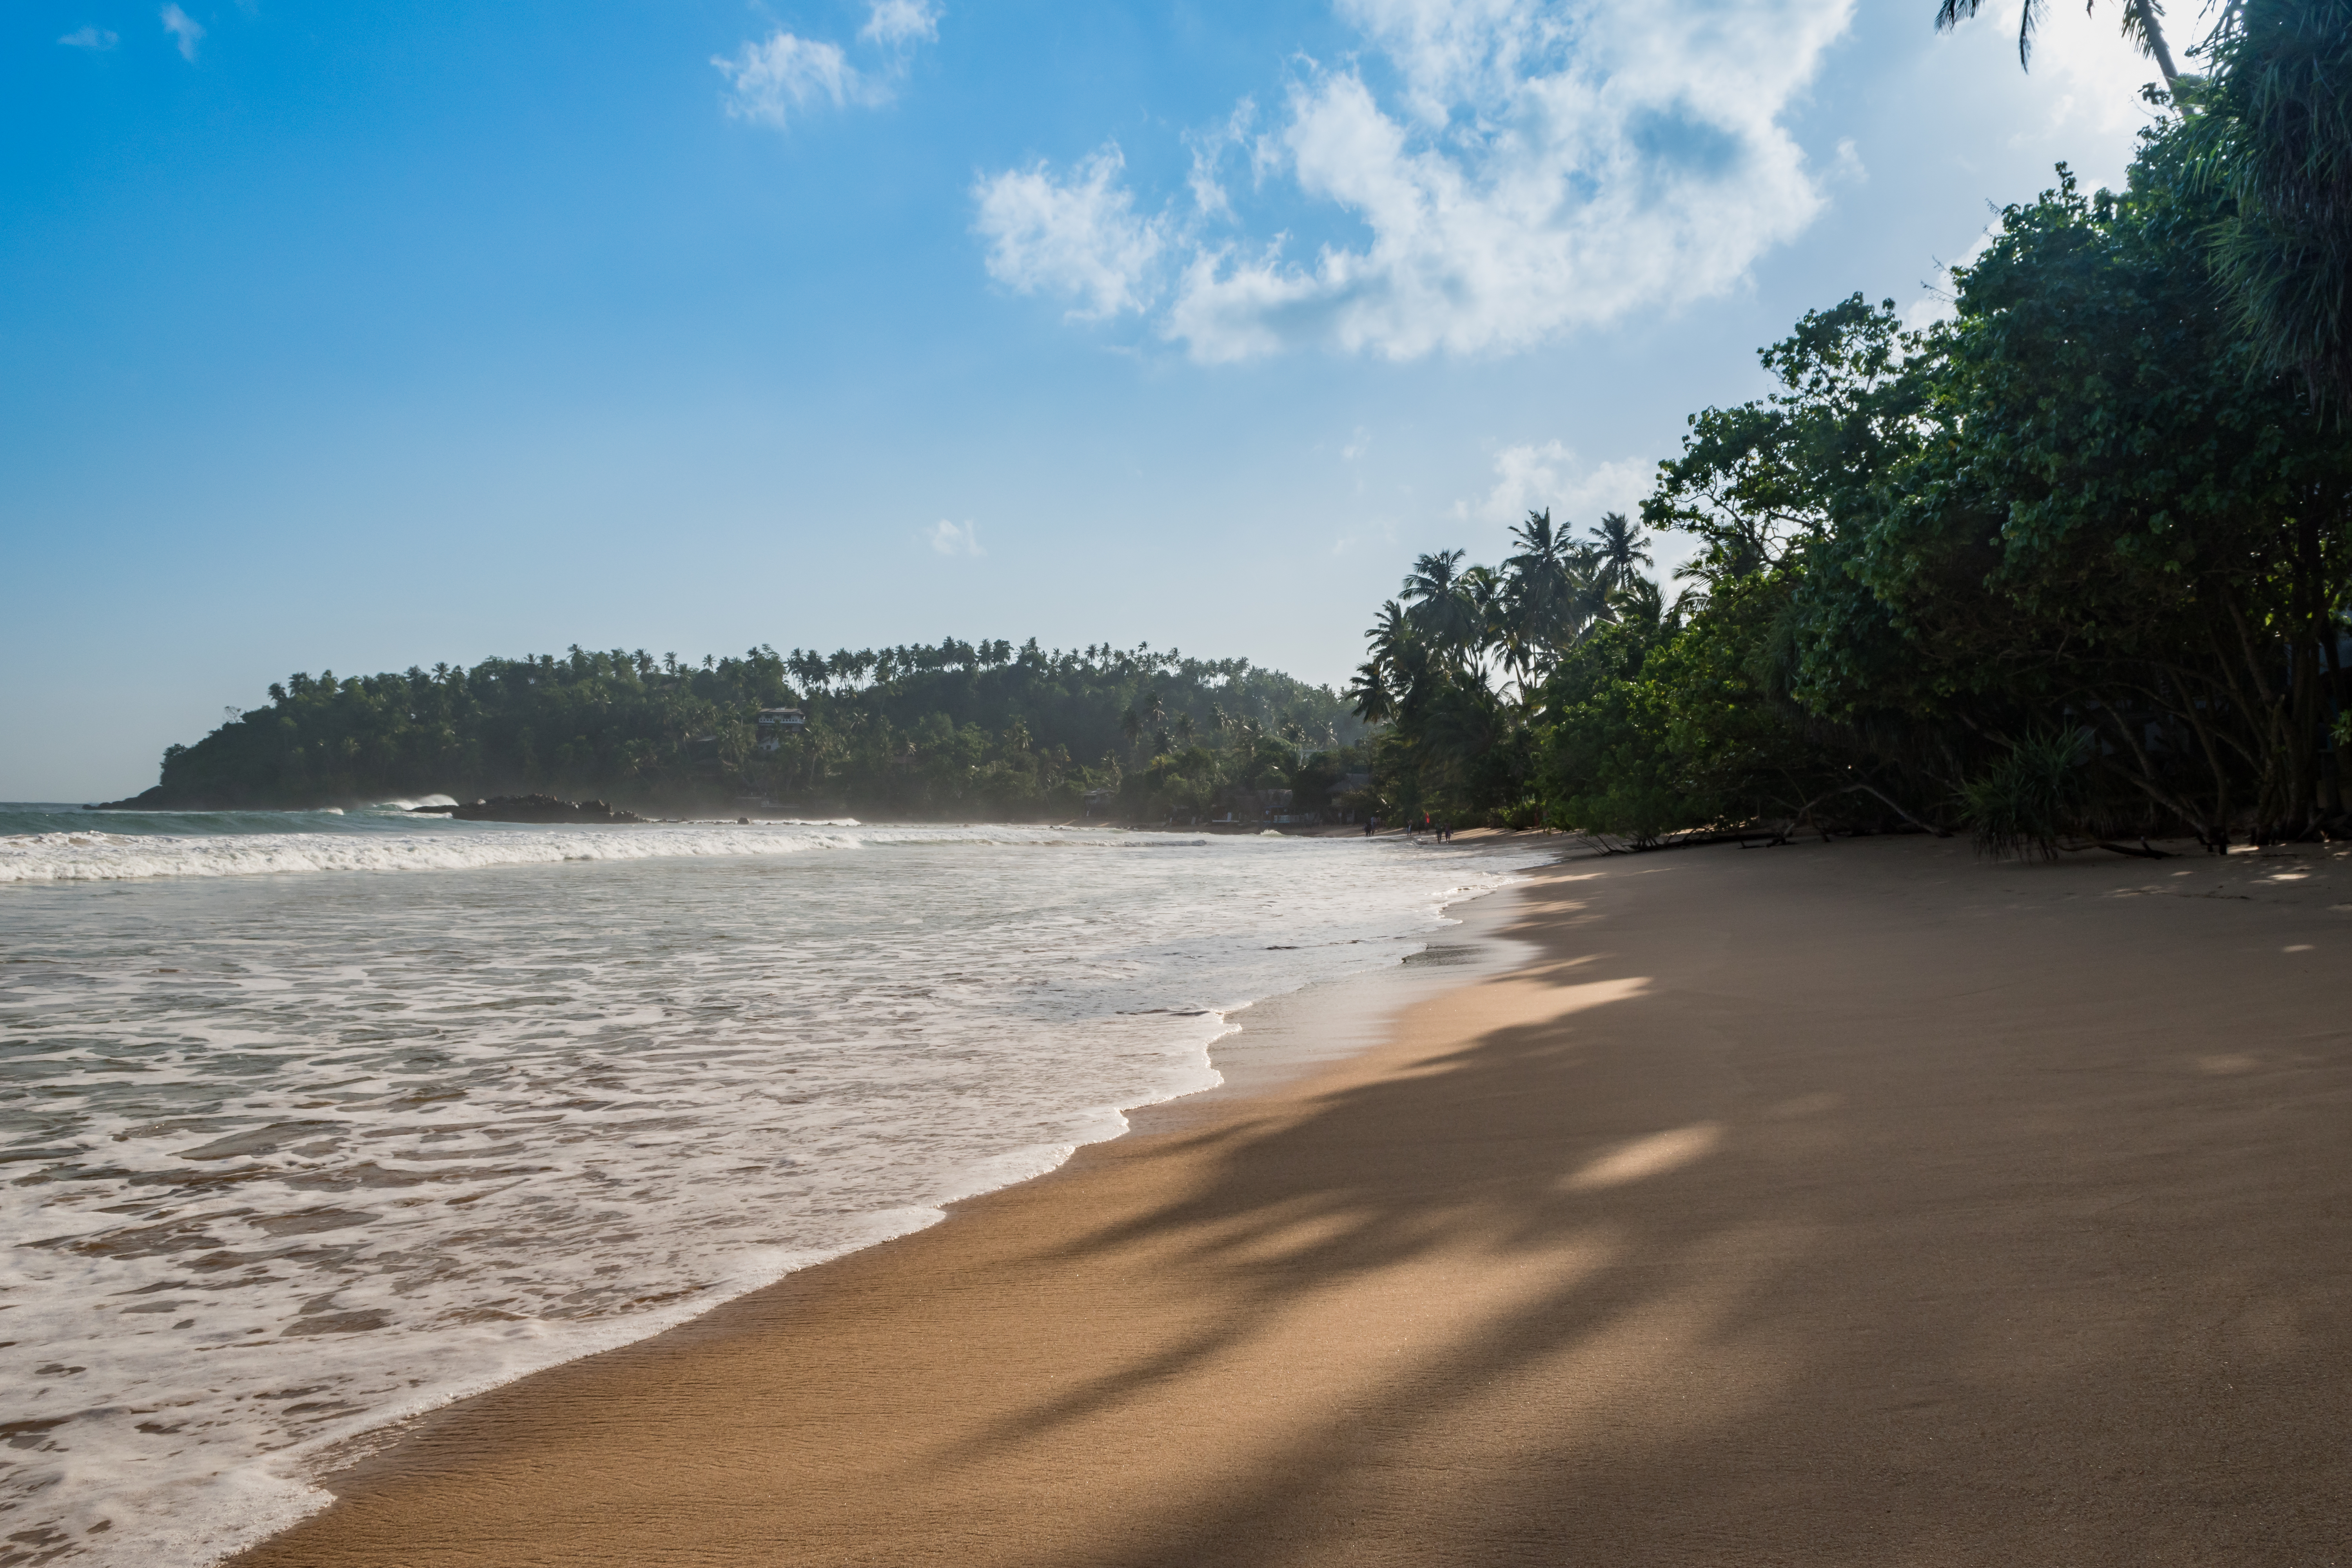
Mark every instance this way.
x=1372 y=825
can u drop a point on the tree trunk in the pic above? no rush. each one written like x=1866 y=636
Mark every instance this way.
x=2151 y=34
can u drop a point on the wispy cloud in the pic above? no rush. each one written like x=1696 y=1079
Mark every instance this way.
x=768 y=82
x=186 y=29
x=773 y=80
x=1530 y=167
x=89 y=38
x=1079 y=237
x=894 y=24
x=954 y=538
x=1550 y=476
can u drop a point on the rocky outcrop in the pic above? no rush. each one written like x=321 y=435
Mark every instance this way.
x=538 y=808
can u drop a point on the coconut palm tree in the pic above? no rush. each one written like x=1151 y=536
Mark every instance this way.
x=1550 y=597
x=1486 y=599
x=2141 y=20
x=1381 y=683
x=1446 y=608
x=1368 y=693
x=1619 y=545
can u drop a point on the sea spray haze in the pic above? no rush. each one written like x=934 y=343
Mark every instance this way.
x=314 y=1119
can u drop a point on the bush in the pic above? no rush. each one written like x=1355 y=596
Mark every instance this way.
x=2029 y=798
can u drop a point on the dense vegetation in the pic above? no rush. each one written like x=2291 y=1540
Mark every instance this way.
x=2075 y=562
x=959 y=729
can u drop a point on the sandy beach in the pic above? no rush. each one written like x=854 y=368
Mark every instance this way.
x=1851 y=1204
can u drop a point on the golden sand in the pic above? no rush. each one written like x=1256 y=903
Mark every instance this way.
x=1858 y=1204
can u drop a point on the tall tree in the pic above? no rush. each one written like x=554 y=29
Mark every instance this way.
x=1621 y=546
x=2275 y=134
x=1446 y=611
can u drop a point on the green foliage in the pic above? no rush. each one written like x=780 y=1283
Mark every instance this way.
x=956 y=728
x=1609 y=763
x=2273 y=132
x=2089 y=504
x=2031 y=798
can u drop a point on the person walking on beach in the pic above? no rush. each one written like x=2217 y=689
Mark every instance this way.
x=1372 y=825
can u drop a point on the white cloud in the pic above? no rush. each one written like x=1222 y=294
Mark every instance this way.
x=1208 y=150
x=2084 y=80
x=89 y=38
x=184 y=27
x=1079 y=238
x=1538 y=477
x=954 y=538
x=772 y=81
x=1538 y=165
x=789 y=73
x=2095 y=72
x=895 y=23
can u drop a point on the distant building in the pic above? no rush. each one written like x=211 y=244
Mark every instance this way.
x=775 y=723
x=1096 y=800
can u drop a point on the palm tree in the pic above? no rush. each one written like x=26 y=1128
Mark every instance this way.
x=1546 y=606
x=1369 y=695
x=1619 y=545
x=1432 y=577
x=1484 y=595
x=2140 y=25
x=1446 y=610
x=810 y=668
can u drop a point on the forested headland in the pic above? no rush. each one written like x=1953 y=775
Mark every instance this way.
x=2071 y=564
x=955 y=729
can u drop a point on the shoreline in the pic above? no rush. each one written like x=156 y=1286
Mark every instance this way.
x=1257 y=1047
x=1658 y=1240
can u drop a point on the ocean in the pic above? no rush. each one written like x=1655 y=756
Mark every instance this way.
x=312 y=1120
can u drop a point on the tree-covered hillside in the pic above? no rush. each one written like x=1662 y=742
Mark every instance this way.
x=956 y=728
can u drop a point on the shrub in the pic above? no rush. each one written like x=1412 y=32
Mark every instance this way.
x=2029 y=798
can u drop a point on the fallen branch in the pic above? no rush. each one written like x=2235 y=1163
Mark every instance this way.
x=1805 y=812
x=2146 y=851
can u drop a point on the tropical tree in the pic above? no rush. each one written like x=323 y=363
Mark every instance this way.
x=1620 y=545
x=1447 y=609
x=2275 y=135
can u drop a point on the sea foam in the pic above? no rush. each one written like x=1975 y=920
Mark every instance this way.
x=295 y=1155
x=96 y=855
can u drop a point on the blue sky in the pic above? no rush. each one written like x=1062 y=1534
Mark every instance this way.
x=363 y=336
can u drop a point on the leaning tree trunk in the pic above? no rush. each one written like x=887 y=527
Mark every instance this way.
x=2150 y=31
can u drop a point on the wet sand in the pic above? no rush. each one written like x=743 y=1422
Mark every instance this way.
x=1856 y=1203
